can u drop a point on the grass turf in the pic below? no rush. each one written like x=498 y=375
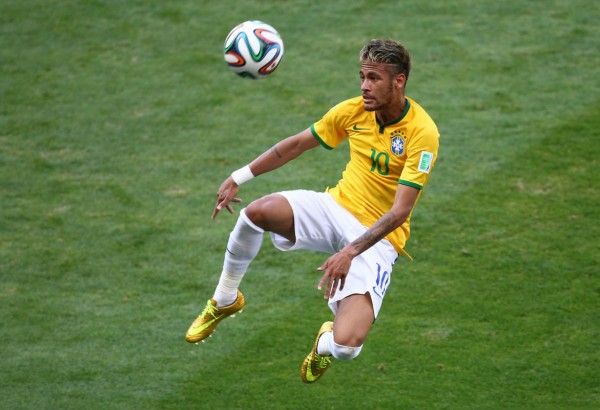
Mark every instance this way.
x=118 y=121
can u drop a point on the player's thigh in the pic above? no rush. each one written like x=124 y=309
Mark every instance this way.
x=273 y=213
x=353 y=320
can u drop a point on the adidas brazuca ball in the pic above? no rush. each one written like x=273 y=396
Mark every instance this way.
x=253 y=49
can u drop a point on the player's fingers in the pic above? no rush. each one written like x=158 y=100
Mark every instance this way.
x=322 y=282
x=342 y=282
x=229 y=207
x=327 y=289
x=323 y=278
x=332 y=289
x=218 y=207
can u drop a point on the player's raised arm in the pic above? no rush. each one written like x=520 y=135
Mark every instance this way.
x=283 y=152
x=275 y=157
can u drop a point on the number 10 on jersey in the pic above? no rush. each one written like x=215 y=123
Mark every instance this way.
x=380 y=161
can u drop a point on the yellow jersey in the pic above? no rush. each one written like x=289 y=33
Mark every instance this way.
x=382 y=156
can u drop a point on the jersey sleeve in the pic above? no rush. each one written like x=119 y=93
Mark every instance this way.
x=330 y=130
x=422 y=154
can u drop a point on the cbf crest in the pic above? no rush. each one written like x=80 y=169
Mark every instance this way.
x=397 y=143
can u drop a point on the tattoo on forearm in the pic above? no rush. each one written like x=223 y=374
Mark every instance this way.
x=386 y=224
x=275 y=151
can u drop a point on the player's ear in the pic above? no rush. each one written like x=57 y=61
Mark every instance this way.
x=400 y=80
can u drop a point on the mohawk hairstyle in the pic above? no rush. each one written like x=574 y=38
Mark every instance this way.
x=387 y=52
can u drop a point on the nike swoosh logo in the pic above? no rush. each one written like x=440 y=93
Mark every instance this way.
x=206 y=325
x=309 y=375
x=355 y=128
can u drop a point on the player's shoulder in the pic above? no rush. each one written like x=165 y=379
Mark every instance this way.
x=420 y=117
x=350 y=105
x=347 y=111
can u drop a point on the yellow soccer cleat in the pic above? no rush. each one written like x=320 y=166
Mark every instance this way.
x=210 y=317
x=315 y=365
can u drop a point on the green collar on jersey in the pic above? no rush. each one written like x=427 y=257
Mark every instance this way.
x=397 y=120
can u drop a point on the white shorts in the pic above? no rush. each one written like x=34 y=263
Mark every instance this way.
x=321 y=224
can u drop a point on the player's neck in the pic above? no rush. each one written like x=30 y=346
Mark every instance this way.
x=391 y=112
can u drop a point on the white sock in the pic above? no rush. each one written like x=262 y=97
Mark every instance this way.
x=324 y=341
x=344 y=353
x=226 y=291
x=244 y=243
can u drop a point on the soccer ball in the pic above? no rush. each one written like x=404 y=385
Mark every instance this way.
x=253 y=49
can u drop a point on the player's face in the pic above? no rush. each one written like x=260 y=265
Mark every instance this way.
x=381 y=91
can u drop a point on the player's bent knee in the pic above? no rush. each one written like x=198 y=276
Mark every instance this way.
x=245 y=219
x=273 y=213
x=344 y=353
x=263 y=210
x=255 y=212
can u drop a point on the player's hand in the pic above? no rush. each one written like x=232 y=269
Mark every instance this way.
x=226 y=194
x=336 y=269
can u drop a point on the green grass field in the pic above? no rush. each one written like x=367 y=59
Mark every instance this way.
x=119 y=120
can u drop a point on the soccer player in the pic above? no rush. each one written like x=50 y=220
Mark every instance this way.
x=363 y=222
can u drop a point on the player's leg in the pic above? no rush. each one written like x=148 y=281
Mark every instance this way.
x=357 y=305
x=342 y=339
x=271 y=212
x=351 y=326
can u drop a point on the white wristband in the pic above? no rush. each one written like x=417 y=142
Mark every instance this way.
x=242 y=175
